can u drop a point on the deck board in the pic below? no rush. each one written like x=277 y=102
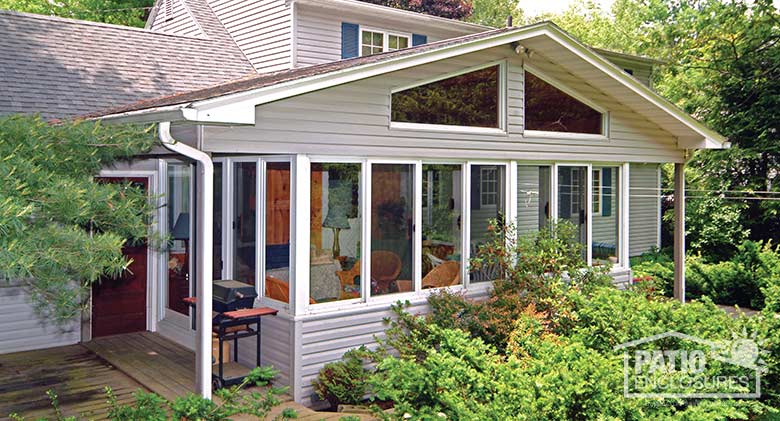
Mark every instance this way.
x=129 y=362
x=75 y=373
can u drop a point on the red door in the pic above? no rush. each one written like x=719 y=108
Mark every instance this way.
x=119 y=305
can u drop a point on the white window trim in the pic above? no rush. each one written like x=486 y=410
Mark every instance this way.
x=385 y=38
x=574 y=94
x=502 y=104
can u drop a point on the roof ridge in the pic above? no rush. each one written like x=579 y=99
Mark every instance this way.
x=73 y=21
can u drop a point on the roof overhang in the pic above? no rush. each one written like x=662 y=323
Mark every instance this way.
x=239 y=108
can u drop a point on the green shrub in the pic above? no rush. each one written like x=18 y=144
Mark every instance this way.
x=344 y=382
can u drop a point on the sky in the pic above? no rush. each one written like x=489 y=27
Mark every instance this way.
x=536 y=7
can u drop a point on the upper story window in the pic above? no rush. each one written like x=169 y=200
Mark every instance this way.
x=375 y=41
x=469 y=99
x=550 y=109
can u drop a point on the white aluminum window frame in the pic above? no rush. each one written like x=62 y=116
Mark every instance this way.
x=502 y=103
x=229 y=234
x=604 y=135
x=385 y=39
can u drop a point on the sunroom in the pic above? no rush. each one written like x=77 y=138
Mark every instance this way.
x=339 y=189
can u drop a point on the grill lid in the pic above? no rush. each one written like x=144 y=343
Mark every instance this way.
x=228 y=291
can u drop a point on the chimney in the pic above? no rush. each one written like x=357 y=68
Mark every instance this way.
x=509 y=21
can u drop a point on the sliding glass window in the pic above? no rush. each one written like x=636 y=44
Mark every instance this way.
x=573 y=199
x=442 y=201
x=488 y=189
x=605 y=247
x=244 y=221
x=392 y=222
x=534 y=194
x=336 y=230
x=277 y=231
x=179 y=201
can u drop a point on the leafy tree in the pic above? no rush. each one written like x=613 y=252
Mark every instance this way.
x=495 y=12
x=60 y=230
x=120 y=12
x=452 y=9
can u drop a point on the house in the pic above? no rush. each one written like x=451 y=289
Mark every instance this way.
x=352 y=155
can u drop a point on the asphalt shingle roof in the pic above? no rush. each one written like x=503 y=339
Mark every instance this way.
x=268 y=79
x=62 y=67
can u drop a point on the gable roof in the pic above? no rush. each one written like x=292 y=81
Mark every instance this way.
x=64 y=67
x=233 y=102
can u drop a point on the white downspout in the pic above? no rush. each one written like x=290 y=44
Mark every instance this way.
x=205 y=245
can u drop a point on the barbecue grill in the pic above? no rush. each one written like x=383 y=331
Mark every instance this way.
x=233 y=303
x=229 y=295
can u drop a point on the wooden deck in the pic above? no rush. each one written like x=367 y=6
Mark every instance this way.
x=168 y=369
x=75 y=373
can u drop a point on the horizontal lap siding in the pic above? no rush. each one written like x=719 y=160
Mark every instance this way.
x=21 y=329
x=605 y=227
x=276 y=347
x=261 y=28
x=644 y=203
x=180 y=21
x=353 y=119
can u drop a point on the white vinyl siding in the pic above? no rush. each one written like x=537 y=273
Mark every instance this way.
x=353 y=119
x=644 y=204
x=21 y=329
x=174 y=17
x=262 y=29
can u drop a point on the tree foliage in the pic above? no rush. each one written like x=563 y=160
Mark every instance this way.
x=452 y=9
x=120 y=12
x=60 y=230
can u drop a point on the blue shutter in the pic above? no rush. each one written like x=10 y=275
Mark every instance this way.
x=350 y=33
x=475 y=186
x=418 y=39
x=564 y=193
x=606 y=191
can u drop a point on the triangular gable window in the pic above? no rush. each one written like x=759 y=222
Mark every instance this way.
x=549 y=109
x=469 y=99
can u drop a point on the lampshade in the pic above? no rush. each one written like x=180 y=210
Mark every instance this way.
x=181 y=229
x=339 y=204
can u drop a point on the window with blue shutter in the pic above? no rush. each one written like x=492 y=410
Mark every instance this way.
x=418 y=39
x=350 y=34
x=564 y=193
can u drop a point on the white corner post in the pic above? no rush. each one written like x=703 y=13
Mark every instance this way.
x=204 y=243
x=679 y=232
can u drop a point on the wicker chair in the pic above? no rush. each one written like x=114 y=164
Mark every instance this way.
x=443 y=275
x=385 y=266
x=279 y=290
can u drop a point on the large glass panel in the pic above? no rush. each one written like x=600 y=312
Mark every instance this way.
x=488 y=187
x=470 y=99
x=178 y=201
x=218 y=263
x=572 y=198
x=533 y=197
x=244 y=222
x=441 y=221
x=392 y=219
x=336 y=229
x=606 y=211
x=549 y=109
x=277 y=231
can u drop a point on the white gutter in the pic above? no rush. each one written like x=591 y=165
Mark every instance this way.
x=205 y=244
